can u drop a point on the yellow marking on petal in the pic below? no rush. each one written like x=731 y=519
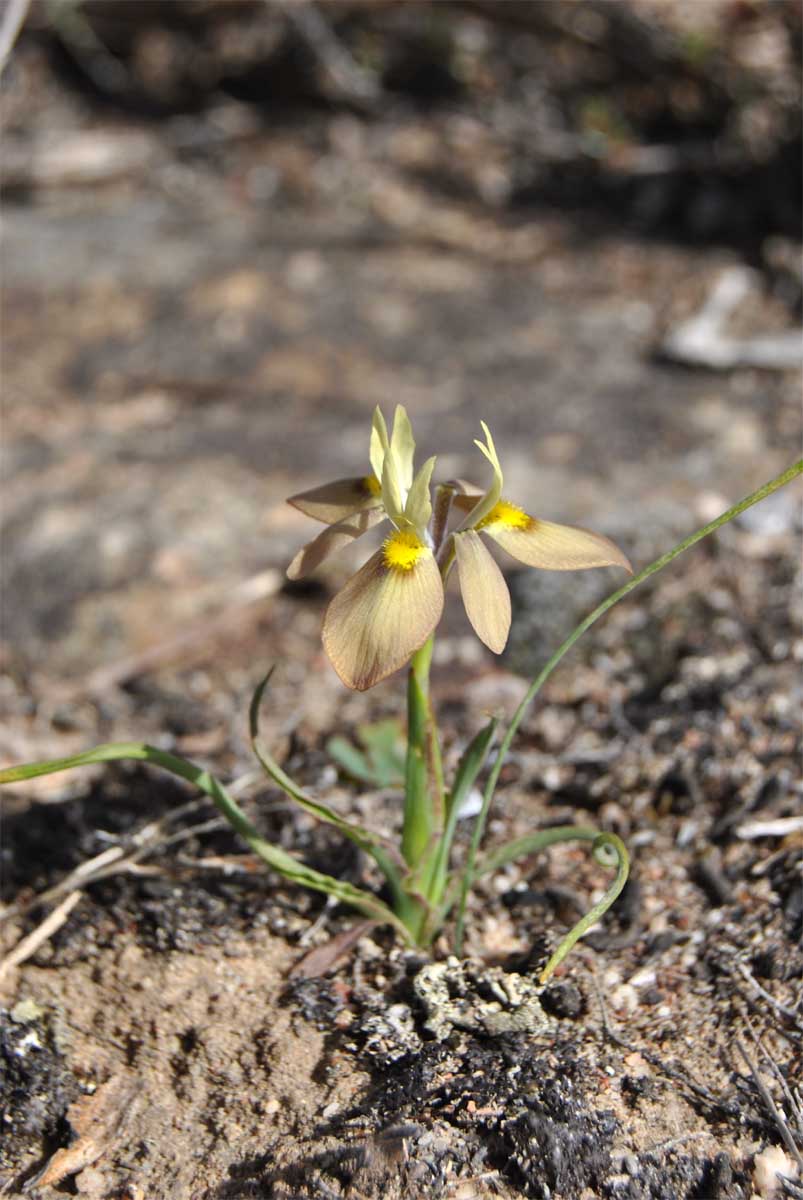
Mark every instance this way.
x=508 y=516
x=554 y=547
x=402 y=551
x=373 y=485
x=380 y=618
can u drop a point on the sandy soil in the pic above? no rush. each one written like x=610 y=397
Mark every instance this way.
x=194 y=335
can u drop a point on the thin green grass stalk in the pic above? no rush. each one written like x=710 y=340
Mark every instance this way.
x=469 y=767
x=383 y=854
x=468 y=876
x=275 y=857
x=601 y=844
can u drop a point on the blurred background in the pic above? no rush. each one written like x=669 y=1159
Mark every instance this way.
x=233 y=227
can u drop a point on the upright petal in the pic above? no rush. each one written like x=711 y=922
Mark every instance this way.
x=544 y=544
x=402 y=447
x=484 y=590
x=331 y=539
x=392 y=498
x=481 y=506
x=379 y=442
x=384 y=613
x=333 y=502
x=418 y=508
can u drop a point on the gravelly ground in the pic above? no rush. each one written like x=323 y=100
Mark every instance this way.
x=187 y=342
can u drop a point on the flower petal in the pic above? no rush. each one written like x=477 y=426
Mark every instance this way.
x=552 y=547
x=379 y=442
x=333 y=502
x=384 y=613
x=402 y=447
x=392 y=500
x=485 y=593
x=331 y=539
x=482 y=505
x=418 y=508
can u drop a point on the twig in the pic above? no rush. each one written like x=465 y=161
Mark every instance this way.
x=43 y=932
x=348 y=78
x=108 y=862
x=13 y=19
x=670 y=1143
x=792 y=1100
x=780 y=827
x=792 y=1013
x=780 y=1124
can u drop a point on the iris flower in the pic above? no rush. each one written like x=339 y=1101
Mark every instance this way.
x=391 y=606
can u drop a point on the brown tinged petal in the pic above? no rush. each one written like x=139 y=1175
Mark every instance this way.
x=331 y=539
x=333 y=502
x=384 y=613
x=549 y=546
x=485 y=594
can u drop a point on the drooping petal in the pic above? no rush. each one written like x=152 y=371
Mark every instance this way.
x=331 y=539
x=333 y=502
x=418 y=508
x=402 y=447
x=384 y=613
x=485 y=594
x=547 y=545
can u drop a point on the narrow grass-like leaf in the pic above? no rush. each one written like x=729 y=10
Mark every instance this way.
x=369 y=842
x=602 y=845
x=278 y=859
x=760 y=494
x=469 y=767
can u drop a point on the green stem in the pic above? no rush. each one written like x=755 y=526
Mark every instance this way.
x=424 y=807
x=423 y=803
x=766 y=490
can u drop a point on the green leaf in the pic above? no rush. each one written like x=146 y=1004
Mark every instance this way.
x=658 y=565
x=603 y=843
x=274 y=856
x=352 y=760
x=386 y=746
x=371 y=843
x=382 y=765
x=469 y=767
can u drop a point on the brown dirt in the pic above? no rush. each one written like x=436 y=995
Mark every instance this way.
x=190 y=339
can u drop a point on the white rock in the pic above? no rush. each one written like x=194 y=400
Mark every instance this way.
x=767 y=1166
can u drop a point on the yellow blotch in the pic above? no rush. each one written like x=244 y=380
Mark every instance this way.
x=372 y=485
x=508 y=515
x=402 y=551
